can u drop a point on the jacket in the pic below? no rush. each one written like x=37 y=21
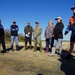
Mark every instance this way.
x=71 y=25
x=37 y=31
x=1 y=30
x=49 y=32
x=14 y=30
x=58 y=30
x=28 y=29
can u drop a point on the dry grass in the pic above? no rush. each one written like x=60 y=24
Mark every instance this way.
x=27 y=62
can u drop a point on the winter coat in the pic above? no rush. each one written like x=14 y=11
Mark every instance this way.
x=58 y=31
x=14 y=30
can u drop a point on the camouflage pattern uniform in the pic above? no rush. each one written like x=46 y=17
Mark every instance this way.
x=37 y=40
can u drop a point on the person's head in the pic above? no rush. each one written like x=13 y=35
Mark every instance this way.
x=50 y=23
x=58 y=19
x=37 y=24
x=14 y=22
x=28 y=23
x=73 y=9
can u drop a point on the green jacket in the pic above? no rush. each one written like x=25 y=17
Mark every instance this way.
x=37 y=31
x=28 y=29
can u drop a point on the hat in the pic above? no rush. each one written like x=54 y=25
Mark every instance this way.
x=14 y=21
x=73 y=8
x=36 y=22
x=58 y=18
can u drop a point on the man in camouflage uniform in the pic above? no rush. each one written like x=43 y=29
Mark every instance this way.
x=37 y=36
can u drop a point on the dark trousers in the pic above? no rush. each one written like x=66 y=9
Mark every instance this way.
x=2 y=41
x=28 y=39
x=52 y=42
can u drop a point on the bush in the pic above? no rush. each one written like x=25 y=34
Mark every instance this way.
x=7 y=36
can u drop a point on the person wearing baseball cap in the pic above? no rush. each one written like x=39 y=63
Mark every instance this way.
x=14 y=35
x=58 y=18
x=71 y=27
x=37 y=31
x=58 y=36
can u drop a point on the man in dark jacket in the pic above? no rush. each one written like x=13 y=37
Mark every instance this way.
x=58 y=35
x=2 y=38
x=71 y=27
x=28 y=34
x=14 y=34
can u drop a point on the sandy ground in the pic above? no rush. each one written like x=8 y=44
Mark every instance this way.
x=27 y=62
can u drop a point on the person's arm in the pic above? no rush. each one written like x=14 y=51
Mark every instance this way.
x=39 y=32
x=67 y=30
x=69 y=26
x=25 y=31
x=11 y=28
x=16 y=28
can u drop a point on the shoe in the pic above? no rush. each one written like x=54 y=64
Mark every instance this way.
x=51 y=55
x=3 y=51
x=17 y=47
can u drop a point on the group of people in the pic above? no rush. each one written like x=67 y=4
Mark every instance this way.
x=28 y=30
x=51 y=33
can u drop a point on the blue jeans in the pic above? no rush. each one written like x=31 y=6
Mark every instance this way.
x=59 y=42
x=14 y=38
x=48 y=42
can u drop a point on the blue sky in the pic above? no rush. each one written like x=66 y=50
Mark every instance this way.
x=35 y=10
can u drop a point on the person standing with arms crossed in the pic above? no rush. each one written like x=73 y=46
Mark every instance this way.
x=14 y=35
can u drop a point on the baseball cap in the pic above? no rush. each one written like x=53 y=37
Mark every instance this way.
x=58 y=18
x=73 y=8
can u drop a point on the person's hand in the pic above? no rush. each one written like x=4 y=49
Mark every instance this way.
x=34 y=35
x=65 y=32
x=28 y=33
x=13 y=29
x=52 y=35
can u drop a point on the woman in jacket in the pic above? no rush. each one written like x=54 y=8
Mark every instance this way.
x=58 y=35
x=49 y=34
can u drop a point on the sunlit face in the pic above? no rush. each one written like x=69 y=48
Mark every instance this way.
x=37 y=25
x=58 y=20
x=28 y=23
x=50 y=23
x=14 y=23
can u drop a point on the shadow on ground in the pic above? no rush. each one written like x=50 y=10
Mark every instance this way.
x=68 y=66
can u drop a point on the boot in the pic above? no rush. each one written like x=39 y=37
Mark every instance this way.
x=26 y=47
x=12 y=48
x=60 y=51
x=17 y=48
x=30 y=47
x=4 y=48
x=53 y=51
x=35 y=47
x=47 y=49
x=40 y=47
